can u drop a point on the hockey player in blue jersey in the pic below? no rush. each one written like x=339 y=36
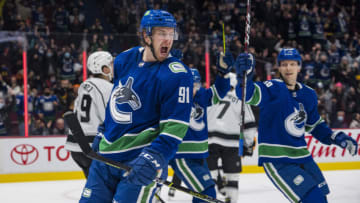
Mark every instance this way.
x=146 y=117
x=288 y=109
x=190 y=163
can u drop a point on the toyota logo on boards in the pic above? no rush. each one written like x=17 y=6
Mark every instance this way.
x=24 y=154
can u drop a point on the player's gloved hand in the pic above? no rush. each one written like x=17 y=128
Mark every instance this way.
x=177 y=53
x=245 y=62
x=224 y=63
x=98 y=137
x=345 y=141
x=248 y=150
x=146 y=167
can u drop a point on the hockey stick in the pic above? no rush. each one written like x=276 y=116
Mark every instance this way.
x=243 y=88
x=159 y=198
x=75 y=127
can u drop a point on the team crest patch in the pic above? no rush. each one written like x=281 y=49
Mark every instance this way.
x=124 y=95
x=86 y=193
x=298 y=180
x=295 y=122
x=177 y=67
x=206 y=177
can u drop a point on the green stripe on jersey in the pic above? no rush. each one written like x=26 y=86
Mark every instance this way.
x=147 y=190
x=189 y=175
x=277 y=151
x=215 y=98
x=280 y=183
x=256 y=97
x=193 y=147
x=174 y=128
x=128 y=142
x=309 y=128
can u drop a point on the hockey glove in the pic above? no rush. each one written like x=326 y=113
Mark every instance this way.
x=224 y=63
x=248 y=150
x=177 y=53
x=345 y=141
x=245 y=62
x=146 y=167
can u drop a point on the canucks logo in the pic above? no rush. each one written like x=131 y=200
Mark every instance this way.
x=124 y=95
x=295 y=122
x=196 y=118
x=177 y=67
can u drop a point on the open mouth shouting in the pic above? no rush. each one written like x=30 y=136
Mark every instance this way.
x=164 y=51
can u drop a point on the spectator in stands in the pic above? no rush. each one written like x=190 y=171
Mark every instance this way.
x=322 y=69
x=339 y=96
x=59 y=127
x=38 y=127
x=61 y=19
x=46 y=107
x=355 y=123
x=331 y=31
x=5 y=108
x=20 y=109
x=14 y=85
x=339 y=121
x=67 y=67
x=65 y=95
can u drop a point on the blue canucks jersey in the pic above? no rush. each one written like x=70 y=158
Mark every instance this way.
x=195 y=142
x=285 y=115
x=149 y=106
x=46 y=106
x=20 y=105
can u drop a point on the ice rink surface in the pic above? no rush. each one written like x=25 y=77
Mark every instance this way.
x=344 y=187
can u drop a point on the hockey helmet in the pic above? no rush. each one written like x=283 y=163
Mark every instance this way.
x=289 y=54
x=97 y=60
x=157 y=18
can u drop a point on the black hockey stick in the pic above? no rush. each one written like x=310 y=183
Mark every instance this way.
x=75 y=127
x=243 y=88
x=159 y=198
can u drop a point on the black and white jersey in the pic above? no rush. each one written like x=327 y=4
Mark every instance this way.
x=89 y=106
x=224 y=122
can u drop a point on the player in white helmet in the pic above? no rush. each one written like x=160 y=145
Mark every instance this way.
x=89 y=105
x=224 y=131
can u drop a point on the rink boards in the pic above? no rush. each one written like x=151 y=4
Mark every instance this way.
x=45 y=158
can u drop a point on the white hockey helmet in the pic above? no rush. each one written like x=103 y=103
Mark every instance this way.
x=233 y=79
x=99 y=59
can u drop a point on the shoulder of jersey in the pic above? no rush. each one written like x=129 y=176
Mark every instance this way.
x=99 y=82
x=127 y=53
x=274 y=83
x=308 y=90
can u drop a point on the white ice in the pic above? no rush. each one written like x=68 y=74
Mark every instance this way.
x=344 y=187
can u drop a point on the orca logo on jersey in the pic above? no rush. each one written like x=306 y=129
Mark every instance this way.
x=295 y=122
x=124 y=95
x=196 y=118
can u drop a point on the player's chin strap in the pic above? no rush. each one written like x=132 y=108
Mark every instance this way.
x=151 y=48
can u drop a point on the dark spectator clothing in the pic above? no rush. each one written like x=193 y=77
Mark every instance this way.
x=55 y=28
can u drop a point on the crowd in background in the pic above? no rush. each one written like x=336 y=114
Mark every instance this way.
x=327 y=33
